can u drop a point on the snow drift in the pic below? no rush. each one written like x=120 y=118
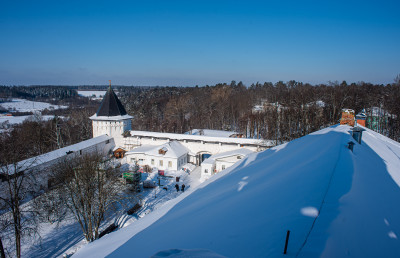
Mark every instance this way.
x=335 y=203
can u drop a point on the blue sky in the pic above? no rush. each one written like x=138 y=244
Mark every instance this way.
x=189 y=43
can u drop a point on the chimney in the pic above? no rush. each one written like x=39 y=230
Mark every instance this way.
x=356 y=132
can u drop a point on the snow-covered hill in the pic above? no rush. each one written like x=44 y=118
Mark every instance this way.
x=335 y=203
x=23 y=105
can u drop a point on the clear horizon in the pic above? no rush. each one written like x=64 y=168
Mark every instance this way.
x=180 y=43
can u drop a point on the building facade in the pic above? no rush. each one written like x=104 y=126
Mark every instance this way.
x=111 y=118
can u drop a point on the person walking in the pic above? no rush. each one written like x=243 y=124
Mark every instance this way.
x=183 y=187
x=177 y=187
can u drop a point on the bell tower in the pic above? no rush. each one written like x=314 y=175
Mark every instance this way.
x=111 y=118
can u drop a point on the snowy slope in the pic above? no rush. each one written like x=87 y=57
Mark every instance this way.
x=335 y=203
x=23 y=105
x=19 y=119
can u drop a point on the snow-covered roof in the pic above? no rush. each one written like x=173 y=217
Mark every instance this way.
x=172 y=149
x=175 y=136
x=118 y=147
x=348 y=110
x=53 y=155
x=361 y=116
x=212 y=133
x=239 y=152
x=335 y=202
x=142 y=149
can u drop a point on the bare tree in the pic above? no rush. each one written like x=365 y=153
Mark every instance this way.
x=18 y=186
x=87 y=187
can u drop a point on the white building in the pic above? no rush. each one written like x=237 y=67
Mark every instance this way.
x=42 y=164
x=221 y=161
x=168 y=156
x=200 y=146
x=170 y=151
x=111 y=118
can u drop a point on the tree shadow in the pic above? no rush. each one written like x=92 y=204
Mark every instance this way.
x=57 y=243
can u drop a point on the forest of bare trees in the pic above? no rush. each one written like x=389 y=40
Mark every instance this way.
x=289 y=110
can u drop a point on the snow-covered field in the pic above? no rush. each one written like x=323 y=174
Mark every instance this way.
x=94 y=94
x=12 y=120
x=335 y=203
x=23 y=105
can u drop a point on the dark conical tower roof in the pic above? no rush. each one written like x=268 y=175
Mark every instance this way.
x=111 y=106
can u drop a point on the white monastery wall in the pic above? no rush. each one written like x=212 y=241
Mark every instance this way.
x=194 y=146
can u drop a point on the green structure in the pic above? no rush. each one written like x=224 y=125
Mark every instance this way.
x=377 y=119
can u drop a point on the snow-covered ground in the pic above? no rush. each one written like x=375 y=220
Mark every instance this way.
x=23 y=105
x=66 y=238
x=12 y=120
x=6 y=122
x=335 y=203
x=94 y=94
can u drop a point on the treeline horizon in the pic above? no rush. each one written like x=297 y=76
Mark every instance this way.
x=290 y=110
x=106 y=85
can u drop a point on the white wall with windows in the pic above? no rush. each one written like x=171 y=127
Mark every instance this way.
x=207 y=170
x=162 y=163
x=174 y=158
x=221 y=161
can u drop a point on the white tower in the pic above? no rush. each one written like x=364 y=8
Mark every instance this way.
x=111 y=118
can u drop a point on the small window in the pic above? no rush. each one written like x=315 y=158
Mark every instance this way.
x=133 y=159
x=206 y=171
x=239 y=157
x=170 y=164
x=223 y=167
x=80 y=152
x=161 y=163
x=152 y=161
x=108 y=141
